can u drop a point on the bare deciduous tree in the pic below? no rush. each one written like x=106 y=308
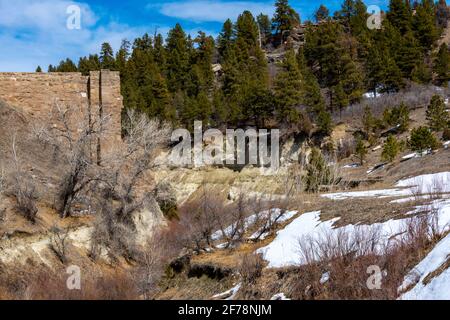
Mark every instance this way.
x=73 y=135
x=22 y=188
x=58 y=242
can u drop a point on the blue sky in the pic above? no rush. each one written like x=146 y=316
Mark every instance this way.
x=34 y=32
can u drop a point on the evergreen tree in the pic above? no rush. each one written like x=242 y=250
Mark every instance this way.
x=322 y=13
x=247 y=33
x=391 y=149
x=424 y=24
x=397 y=116
x=107 y=60
x=422 y=72
x=66 y=66
x=422 y=139
x=408 y=54
x=87 y=64
x=317 y=172
x=265 y=27
x=226 y=38
x=288 y=89
x=161 y=106
x=38 y=69
x=368 y=121
x=202 y=58
x=400 y=15
x=437 y=115
x=442 y=65
x=285 y=18
x=312 y=96
x=324 y=122
x=178 y=59
x=159 y=53
x=122 y=56
x=361 y=150
x=260 y=106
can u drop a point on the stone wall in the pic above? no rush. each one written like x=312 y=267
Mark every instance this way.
x=36 y=94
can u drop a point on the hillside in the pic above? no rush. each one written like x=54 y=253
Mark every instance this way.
x=283 y=160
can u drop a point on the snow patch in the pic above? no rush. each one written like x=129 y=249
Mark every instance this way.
x=435 y=259
x=285 y=250
x=279 y=296
x=230 y=294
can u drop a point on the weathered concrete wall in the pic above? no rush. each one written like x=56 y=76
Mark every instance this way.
x=37 y=93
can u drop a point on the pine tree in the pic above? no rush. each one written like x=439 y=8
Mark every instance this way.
x=397 y=116
x=317 y=172
x=288 y=89
x=368 y=121
x=322 y=13
x=442 y=65
x=226 y=38
x=122 y=56
x=265 y=27
x=424 y=24
x=400 y=15
x=361 y=150
x=247 y=33
x=87 y=64
x=107 y=60
x=178 y=59
x=422 y=72
x=161 y=106
x=260 y=106
x=66 y=66
x=38 y=69
x=422 y=139
x=391 y=149
x=285 y=18
x=159 y=53
x=203 y=59
x=408 y=54
x=324 y=122
x=437 y=115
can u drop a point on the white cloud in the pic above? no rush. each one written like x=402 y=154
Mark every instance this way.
x=35 y=33
x=211 y=10
x=41 y=14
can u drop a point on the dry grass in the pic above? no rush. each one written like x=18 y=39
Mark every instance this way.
x=41 y=283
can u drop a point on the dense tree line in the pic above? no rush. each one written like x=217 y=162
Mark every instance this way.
x=342 y=58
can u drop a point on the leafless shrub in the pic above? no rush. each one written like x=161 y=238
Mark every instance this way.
x=156 y=255
x=251 y=268
x=200 y=218
x=436 y=188
x=293 y=180
x=345 y=149
x=415 y=96
x=346 y=256
x=23 y=189
x=59 y=243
